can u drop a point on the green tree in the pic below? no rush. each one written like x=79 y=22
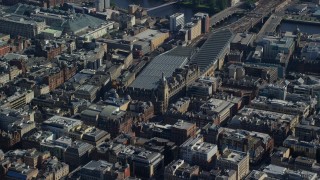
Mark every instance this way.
x=195 y=2
x=222 y=4
x=212 y=5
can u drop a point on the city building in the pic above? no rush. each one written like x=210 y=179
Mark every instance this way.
x=33 y=140
x=218 y=174
x=277 y=125
x=147 y=164
x=282 y=106
x=87 y=92
x=100 y=5
x=308 y=149
x=21 y=26
x=220 y=108
x=193 y=28
x=56 y=147
x=235 y=160
x=100 y=169
x=114 y=121
x=279 y=172
x=53 y=166
x=176 y=21
x=205 y=21
x=204 y=87
x=166 y=147
x=60 y=125
x=275 y=46
x=17 y=170
x=274 y=91
x=197 y=152
x=78 y=154
x=179 y=169
x=258 y=145
x=154 y=37
x=242 y=42
x=166 y=76
x=181 y=131
x=177 y=133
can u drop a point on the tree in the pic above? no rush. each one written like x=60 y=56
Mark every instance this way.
x=222 y=4
x=195 y=2
x=212 y=5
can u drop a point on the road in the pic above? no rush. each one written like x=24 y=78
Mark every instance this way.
x=250 y=19
x=161 y=6
x=225 y=13
x=274 y=20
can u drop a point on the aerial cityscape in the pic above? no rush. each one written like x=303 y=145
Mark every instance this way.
x=159 y=89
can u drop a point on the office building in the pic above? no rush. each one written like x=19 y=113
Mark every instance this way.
x=258 y=145
x=114 y=121
x=87 y=92
x=147 y=163
x=58 y=169
x=20 y=26
x=280 y=172
x=100 y=5
x=197 y=152
x=193 y=28
x=60 y=125
x=56 y=147
x=309 y=149
x=220 y=108
x=21 y=171
x=235 y=160
x=99 y=170
x=179 y=169
x=282 y=106
x=218 y=174
x=33 y=140
x=205 y=21
x=278 y=125
x=181 y=131
x=154 y=37
x=274 y=91
x=78 y=154
x=176 y=21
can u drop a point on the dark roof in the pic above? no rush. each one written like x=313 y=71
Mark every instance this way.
x=165 y=63
x=211 y=50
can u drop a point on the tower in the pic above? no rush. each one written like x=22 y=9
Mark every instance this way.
x=163 y=95
x=99 y=5
x=176 y=21
x=298 y=36
x=106 y=4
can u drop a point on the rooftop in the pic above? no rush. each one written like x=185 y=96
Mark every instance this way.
x=260 y=116
x=211 y=50
x=165 y=63
x=183 y=125
x=62 y=122
x=149 y=34
x=243 y=38
x=233 y=156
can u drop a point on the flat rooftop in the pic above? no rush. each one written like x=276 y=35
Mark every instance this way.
x=149 y=34
x=62 y=122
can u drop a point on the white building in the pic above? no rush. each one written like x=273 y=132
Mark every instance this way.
x=176 y=21
x=99 y=5
x=102 y=4
x=196 y=150
x=60 y=125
